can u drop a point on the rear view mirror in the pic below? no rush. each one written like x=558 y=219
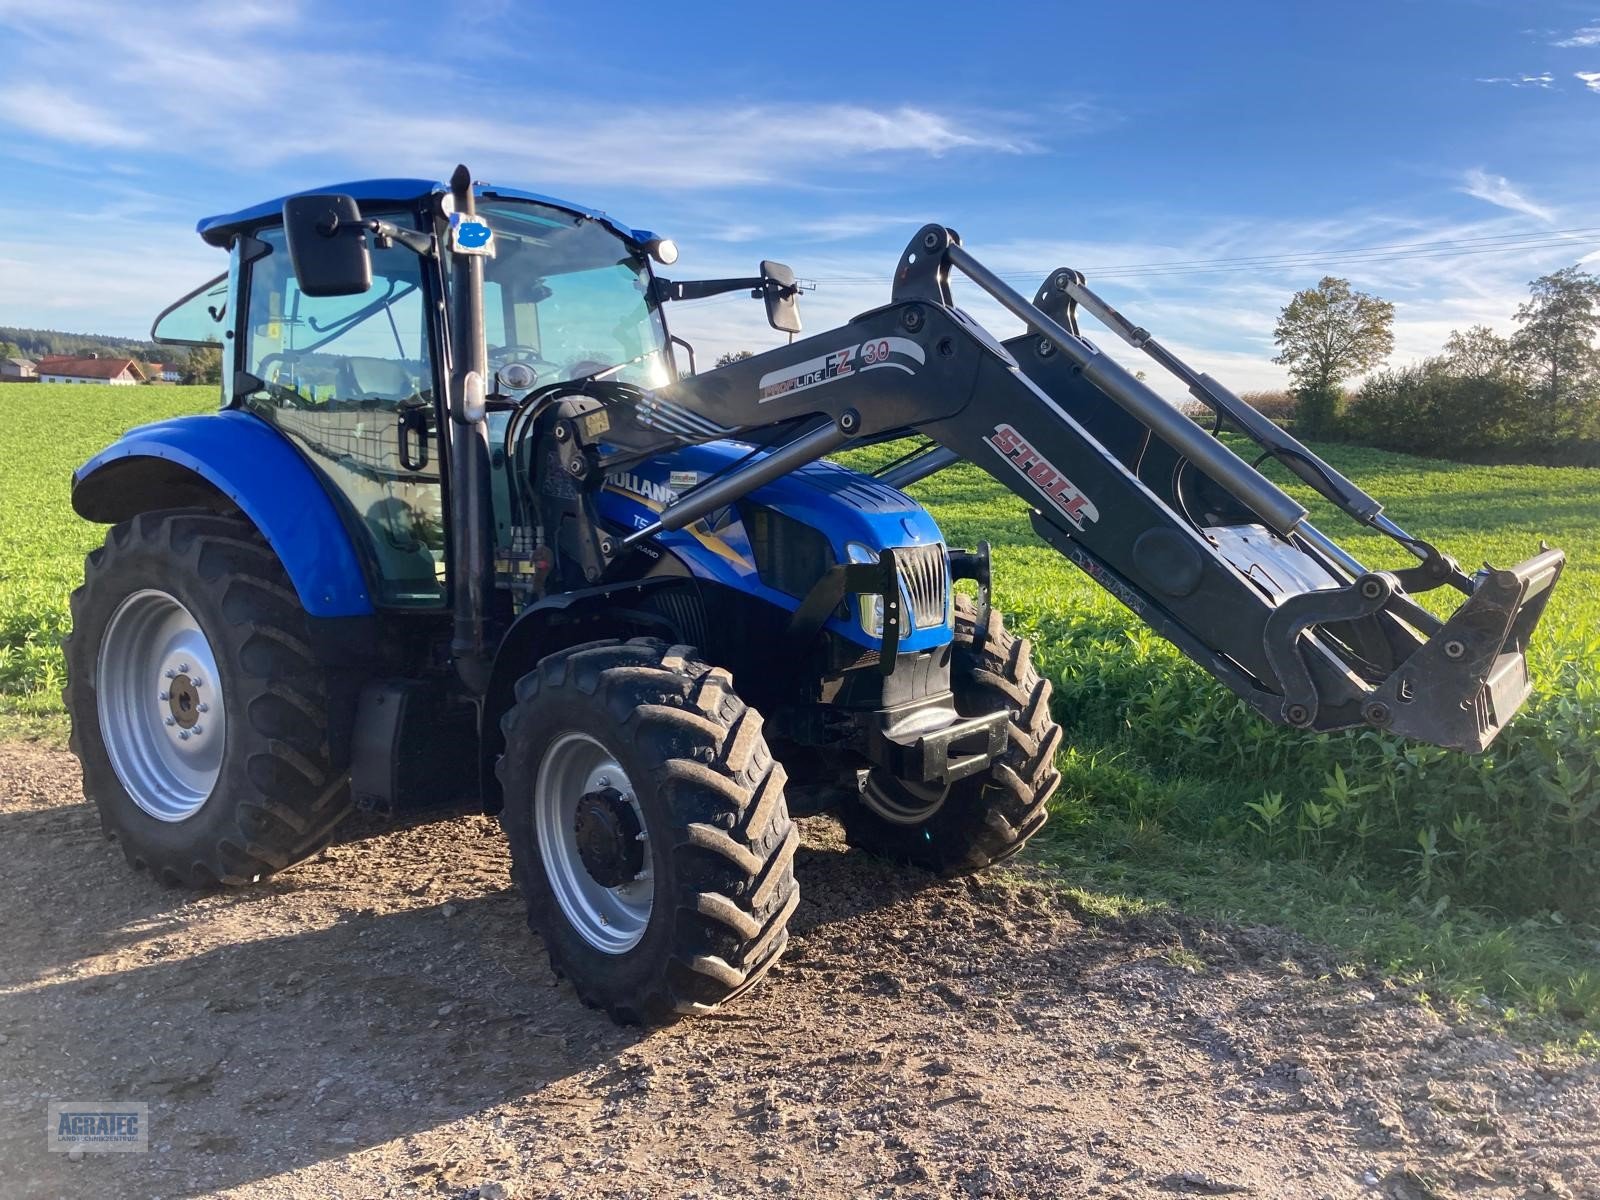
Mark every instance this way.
x=782 y=297
x=327 y=245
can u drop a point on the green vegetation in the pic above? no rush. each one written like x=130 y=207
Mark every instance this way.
x=1477 y=876
x=46 y=431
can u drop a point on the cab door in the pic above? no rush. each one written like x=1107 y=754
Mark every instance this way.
x=350 y=381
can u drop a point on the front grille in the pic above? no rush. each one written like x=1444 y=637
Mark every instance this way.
x=925 y=581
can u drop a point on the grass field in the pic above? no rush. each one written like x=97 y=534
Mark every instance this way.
x=1480 y=876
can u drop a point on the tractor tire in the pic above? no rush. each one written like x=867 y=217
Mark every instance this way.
x=199 y=713
x=648 y=830
x=988 y=817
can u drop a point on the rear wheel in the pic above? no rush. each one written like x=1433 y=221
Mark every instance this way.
x=648 y=830
x=988 y=817
x=199 y=712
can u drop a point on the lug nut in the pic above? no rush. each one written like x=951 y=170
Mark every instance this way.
x=205 y=708
x=183 y=668
x=170 y=721
x=183 y=735
x=172 y=674
x=164 y=696
x=198 y=730
x=197 y=681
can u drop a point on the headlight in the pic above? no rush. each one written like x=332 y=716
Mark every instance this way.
x=663 y=250
x=869 y=607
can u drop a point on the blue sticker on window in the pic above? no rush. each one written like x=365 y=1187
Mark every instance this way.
x=470 y=234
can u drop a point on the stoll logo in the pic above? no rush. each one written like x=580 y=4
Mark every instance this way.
x=76 y=1126
x=1050 y=483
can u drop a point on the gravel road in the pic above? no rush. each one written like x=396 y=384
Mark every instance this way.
x=378 y=1022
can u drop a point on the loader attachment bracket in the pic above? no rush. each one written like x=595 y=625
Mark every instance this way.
x=1461 y=687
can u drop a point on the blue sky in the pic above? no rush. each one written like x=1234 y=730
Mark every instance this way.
x=1119 y=137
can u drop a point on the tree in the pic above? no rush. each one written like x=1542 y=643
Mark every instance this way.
x=1326 y=334
x=1478 y=352
x=204 y=365
x=733 y=356
x=1556 y=347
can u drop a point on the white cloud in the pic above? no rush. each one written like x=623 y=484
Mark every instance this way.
x=206 y=86
x=1590 y=79
x=54 y=113
x=1588 y=35
x=1497 y=190
x=1543 y=80
x=1218 y=315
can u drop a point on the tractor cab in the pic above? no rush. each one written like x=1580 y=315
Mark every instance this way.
x=355 y=381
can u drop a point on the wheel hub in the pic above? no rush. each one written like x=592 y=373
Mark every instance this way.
x=594 y=842
x=607 y=831
x=183 y=699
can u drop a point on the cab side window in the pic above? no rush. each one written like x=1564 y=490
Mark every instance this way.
x=350 y=380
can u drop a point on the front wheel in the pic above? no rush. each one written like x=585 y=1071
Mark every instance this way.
x=648 y=831
x=988 y=817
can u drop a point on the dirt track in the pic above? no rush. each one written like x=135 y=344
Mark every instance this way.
x=379 y=1022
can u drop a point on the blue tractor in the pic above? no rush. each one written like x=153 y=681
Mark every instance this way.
x=465 y=524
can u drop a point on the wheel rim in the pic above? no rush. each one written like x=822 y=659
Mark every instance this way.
x=159 y=699
x=612 y=919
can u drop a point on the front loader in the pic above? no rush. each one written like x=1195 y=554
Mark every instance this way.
x=463 y=525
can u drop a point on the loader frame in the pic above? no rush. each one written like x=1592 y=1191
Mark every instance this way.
x=1251 y=590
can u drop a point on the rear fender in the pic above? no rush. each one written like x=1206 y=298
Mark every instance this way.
x=244 y=461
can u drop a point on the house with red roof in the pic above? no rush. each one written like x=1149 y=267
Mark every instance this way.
x=66 y=368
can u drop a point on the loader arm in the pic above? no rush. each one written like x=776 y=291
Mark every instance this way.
x=1189 y=536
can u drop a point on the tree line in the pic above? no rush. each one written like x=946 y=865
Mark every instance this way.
x=42 y=343
x=1532 y=396
x=198 y=365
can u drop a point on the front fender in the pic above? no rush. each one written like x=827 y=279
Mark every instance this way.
x=246 y=460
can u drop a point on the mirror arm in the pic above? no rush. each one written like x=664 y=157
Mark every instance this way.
x=699 y=289
x=421 y=244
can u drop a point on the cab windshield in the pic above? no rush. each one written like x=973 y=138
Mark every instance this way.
x=567 y=297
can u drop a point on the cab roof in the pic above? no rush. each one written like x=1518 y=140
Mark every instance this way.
x=219 y=229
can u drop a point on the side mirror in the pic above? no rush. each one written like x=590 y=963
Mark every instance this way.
x=327 y=245
x=782 y=297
